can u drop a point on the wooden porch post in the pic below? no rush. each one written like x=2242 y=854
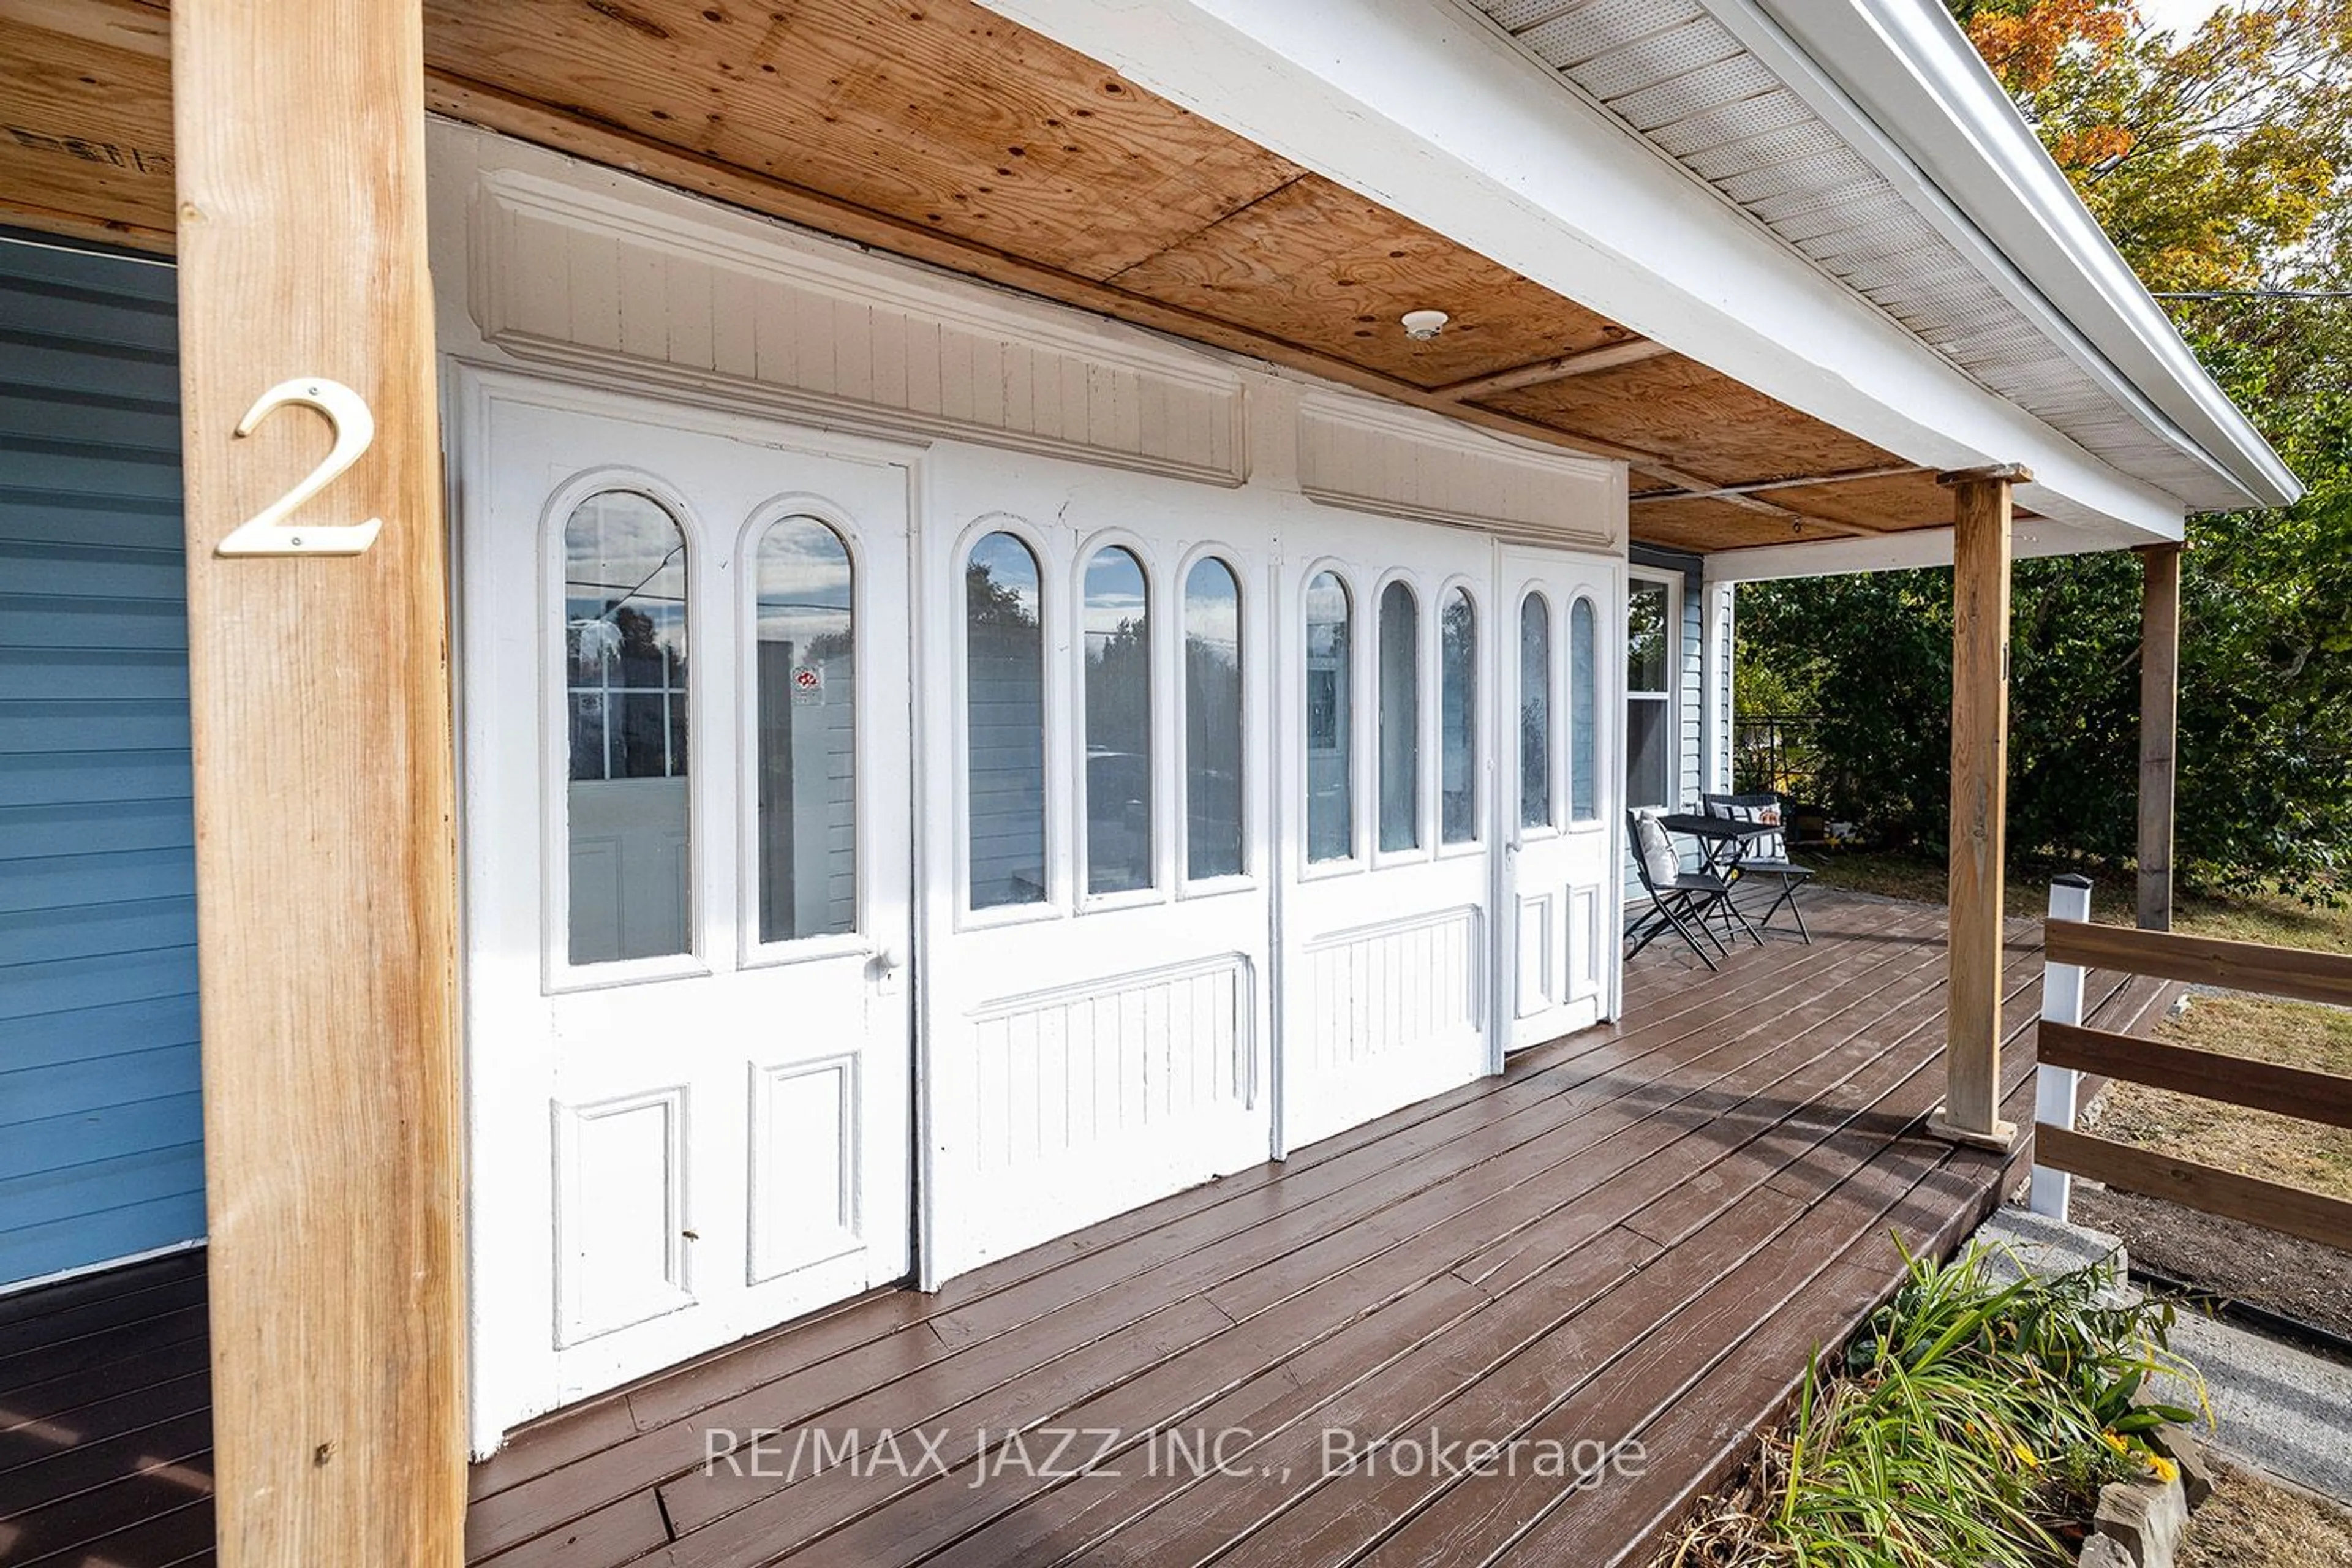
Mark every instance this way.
x=325 y=851
x=1980 y=557
x=2159 y=728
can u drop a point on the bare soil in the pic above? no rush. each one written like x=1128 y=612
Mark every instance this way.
x=2250 y=1523
x=2286 y=1274
x=2299 y=1278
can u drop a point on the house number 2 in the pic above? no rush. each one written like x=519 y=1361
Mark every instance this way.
x=346 y=413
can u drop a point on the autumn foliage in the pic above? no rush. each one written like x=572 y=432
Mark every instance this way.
x=2221 y=164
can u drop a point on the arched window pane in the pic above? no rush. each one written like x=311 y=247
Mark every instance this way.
x=1583 y=715
x=1330 y=790
x=1212 y=720
x=1399 y=718
x=1118 y=724
x=1458 y=719
x=626 y=686
x=1535 y=711
x=805 y=855
x=1004 y=730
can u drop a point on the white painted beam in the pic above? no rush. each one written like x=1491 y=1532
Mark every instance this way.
x=1889 y=552
x=1426 y=109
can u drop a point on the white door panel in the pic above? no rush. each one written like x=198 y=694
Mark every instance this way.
x=1096 y=942
x=685 y=686
x=1386 y=817
x=1564 y=789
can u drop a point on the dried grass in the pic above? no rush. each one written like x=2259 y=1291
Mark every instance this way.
x=2251 y=1142
x=2250 y=1523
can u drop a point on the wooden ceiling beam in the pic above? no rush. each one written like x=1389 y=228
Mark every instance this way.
x=569 y=130
x=1729 y=492
x=129 y=25
x=1558 y=367
x=143 y=29
x=598 y=142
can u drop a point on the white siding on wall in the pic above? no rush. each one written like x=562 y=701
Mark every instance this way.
x=1721 y=724
x=825 y=333
x=1358 y=453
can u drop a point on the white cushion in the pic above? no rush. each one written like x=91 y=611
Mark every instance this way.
x=1657 y=851
x=1764 y=846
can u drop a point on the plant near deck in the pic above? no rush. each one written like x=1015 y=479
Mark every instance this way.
x=1969 y=1422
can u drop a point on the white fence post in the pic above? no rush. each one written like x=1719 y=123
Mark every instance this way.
x=2054 y=1088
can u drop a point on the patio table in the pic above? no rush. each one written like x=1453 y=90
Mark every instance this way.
x=1721 y=839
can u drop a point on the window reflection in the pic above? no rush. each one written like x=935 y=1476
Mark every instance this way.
x=1649 y=699
x=1004 y=710
x=1458 y=719
x=805 y=857
x=1583 y=742
x=1212 y=720
x=1118 y=724
x=625 y=643
x=1399 y=718
x=1331 y=794
x=1535 y=711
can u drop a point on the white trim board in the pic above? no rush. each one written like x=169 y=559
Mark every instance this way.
x=105 y=1266
x=1425 y=107
x=1910 y=92
x=607 y=278
x=1917 y=547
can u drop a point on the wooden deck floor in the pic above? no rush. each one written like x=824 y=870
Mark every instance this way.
x=1635 y=1235
x=105 y=1420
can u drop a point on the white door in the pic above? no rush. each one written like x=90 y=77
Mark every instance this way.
x=1096 y=986
x=1561 y=814
x=1385 y=638
x=684 y=688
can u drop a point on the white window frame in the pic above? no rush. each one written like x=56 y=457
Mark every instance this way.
x=1636 y=578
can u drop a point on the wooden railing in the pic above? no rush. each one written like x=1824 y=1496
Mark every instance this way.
x=2067 y=1050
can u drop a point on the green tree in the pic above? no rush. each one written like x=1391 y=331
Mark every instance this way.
x=2218 y=161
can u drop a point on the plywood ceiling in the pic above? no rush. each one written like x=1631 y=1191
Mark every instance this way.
x=940 y=131
x=86 y=128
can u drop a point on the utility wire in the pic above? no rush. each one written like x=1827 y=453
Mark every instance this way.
x=2254 y=294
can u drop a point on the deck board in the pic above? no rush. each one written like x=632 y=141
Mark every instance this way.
x=1638 y=1232
x=106 y=1420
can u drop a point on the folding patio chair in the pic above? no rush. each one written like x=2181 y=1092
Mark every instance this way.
x=1679 y=900
x=1766 y=855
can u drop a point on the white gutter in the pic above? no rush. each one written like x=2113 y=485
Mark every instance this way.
x=1900 y=81
x=1428 y=110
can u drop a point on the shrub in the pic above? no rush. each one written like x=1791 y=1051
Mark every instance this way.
x=1974 y=1422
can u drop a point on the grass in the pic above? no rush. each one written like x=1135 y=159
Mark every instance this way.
x=2271 y=919
x=1972 y=1422
x=2252 y=1143
x=2250 y=1523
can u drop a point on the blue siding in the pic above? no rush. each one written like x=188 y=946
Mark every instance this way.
x=102 y=1150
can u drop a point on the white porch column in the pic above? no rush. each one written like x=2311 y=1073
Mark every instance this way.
x=2159 y=728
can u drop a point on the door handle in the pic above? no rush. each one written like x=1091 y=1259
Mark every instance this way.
x=886 y=967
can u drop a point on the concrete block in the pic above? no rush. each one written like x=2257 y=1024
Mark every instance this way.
x=2146 y=1518
x=2044 y=1246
